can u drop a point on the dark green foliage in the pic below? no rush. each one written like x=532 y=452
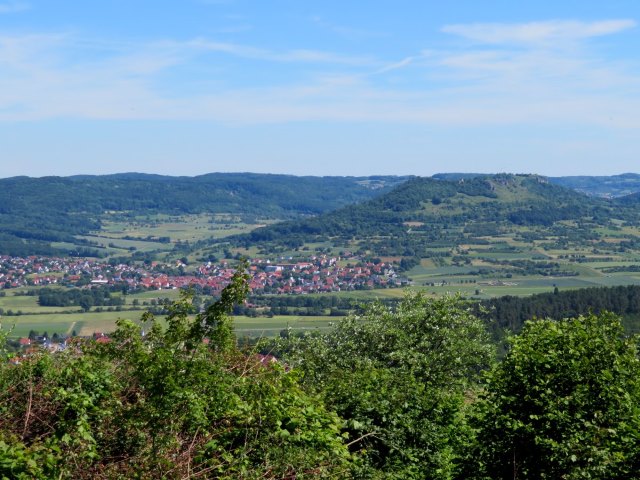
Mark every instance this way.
x=509 y=313
x=37 y=211
x=95 y=296
x=564 y=403
x=394 y=392
x=399 y=379
x=165 y=406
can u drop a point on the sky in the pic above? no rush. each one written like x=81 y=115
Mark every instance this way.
x=331 y=87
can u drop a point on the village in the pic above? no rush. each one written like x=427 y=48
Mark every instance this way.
x=317 y=274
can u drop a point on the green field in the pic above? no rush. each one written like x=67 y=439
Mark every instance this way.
x=27 y=315
x=86 y=324
x=122 y=237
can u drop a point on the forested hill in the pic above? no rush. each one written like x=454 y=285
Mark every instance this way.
x=611 y=186
x=36 y=211
x=263 y=194
x=426 y=212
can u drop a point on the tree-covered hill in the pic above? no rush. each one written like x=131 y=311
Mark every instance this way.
x=426 y=212
x=36 y=211
x=630 y=200
x=610 y=186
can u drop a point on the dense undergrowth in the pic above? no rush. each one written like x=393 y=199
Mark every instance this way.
x=410 y=392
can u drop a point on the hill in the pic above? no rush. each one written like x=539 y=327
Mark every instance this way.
x=427 y=212
x=37 y=211
x=611 y=186
x=431 y=218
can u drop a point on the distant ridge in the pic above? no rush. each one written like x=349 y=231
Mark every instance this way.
x=611 y=186
x=604 y=186
x=455 y=176
x=37 y=211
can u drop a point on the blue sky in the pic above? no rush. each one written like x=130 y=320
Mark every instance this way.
x=186 y=87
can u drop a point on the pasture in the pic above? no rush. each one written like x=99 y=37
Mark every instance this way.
x=160 y=234
x=86 y=324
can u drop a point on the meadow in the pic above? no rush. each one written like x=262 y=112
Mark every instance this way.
x=26 y=315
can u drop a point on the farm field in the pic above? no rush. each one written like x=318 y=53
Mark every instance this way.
x=160 y=233
x=86 y=324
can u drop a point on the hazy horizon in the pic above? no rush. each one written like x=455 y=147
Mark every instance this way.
x=303 y=175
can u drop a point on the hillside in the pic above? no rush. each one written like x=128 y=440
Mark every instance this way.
x=491 y=225
x=425 y=212
x=37 y=211
x=610 y=186
x=363 y=213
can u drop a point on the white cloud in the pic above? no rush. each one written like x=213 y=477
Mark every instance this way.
x=537 y=32
x=300 y=55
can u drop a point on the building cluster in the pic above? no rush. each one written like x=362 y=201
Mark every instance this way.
x=316 y=274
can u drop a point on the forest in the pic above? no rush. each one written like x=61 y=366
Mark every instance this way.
x=37 y=211
x=415 y=391
x=447 y=213
x=84 y=298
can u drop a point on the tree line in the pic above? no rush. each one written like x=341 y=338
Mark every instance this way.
x=84 y=298
x=509 y=313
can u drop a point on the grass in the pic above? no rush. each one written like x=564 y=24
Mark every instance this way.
x=269 y=327
x=23 y=329
x=178 y=228
x=86 y=324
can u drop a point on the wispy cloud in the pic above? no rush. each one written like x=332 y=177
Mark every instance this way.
x=395 y=65
x=503 y=77
x=13 y=7
x=538 y=32
x=298 y=55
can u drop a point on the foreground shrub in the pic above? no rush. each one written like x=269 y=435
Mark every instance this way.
x=165 y=405
x=564 y=403
x=400 y=379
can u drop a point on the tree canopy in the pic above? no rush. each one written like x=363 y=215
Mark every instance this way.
x=399 y=377
x=564 y=403
x=165 y=405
